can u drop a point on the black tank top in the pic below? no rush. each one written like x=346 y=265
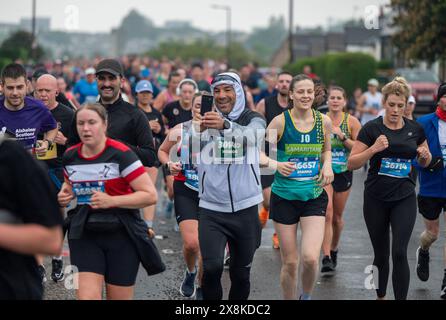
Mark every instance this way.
x=272 y=109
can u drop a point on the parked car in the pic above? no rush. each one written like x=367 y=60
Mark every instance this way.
x=424 y=86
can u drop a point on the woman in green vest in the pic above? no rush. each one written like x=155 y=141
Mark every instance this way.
x=303 y=169
x=345 y=130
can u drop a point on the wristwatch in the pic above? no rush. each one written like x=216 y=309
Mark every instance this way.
x=226 y=124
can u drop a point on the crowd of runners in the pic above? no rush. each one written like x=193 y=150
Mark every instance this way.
x=84 y=144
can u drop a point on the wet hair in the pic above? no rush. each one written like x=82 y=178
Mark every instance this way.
x=284 y=73
x=399 y=87
x=338 y=88
x=173 y=74
x=299 y=78
x=96 y=107
x=13 y=71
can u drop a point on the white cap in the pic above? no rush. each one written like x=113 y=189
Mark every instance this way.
x=373 y=82
x=412 y=100
x=90 y=71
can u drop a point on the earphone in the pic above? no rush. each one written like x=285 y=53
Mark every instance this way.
x=189 y=81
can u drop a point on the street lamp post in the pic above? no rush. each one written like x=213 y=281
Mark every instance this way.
x=228 y=29
x=290 y=36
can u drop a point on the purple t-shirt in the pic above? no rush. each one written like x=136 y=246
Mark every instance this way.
x=28 y=122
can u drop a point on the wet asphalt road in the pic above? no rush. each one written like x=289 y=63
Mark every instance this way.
x=355 y=254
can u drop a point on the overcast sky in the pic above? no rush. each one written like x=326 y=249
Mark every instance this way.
x=100 y=15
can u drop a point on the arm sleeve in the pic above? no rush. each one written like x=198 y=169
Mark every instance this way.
x=144 y=148
x=130 y=166
x=365 y=136
x=48 y=122
x=421 y=135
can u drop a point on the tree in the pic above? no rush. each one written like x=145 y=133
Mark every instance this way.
x=20 y=46
x=421 y=34
x=263 y=42
x=200 y=50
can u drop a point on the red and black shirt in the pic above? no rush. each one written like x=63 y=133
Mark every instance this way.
x=111 y=171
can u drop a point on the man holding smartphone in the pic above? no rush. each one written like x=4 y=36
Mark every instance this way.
x=228 y=209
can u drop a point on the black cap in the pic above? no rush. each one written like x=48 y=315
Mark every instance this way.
x=441 y=91
x=111 y=66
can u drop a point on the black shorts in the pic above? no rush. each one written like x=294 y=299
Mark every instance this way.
x=267 y=181
x=185 y=201
x=290 y=211
x=342 y=181
x=112 y=255
x=431 y=208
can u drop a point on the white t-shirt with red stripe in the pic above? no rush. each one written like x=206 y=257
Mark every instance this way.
x=111 y=171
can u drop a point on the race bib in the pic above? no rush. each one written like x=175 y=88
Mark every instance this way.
x=84 y=191
x=50 y=154
x=395 y=167
x=228 y=151
x=191 y=179
x=339 y=156
x=306 y=168
x=443 y=152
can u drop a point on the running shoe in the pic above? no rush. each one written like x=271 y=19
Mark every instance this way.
x=188 y=288
x=334 y=258
x=42 y=273
x=327 y=265
x=57 y=274
x=199 y=294
x=443 y=289
x=276 y=244
x=422 y=264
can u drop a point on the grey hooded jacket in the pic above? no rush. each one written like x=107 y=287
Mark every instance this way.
x=229 y=188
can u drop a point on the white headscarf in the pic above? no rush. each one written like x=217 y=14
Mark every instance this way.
x=240 y=101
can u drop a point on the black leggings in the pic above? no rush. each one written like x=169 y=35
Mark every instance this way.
x=400 y=216
x=242 y=232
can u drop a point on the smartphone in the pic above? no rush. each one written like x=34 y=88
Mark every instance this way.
x=207 y=103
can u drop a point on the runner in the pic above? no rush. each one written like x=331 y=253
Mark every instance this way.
x=175 y=113
x=23 y=116
x=303 y=168
x=345 y=131
x=126 y=123
x=169 y=94
x=46 y=91
x=228 y=210
x=432 y=195
x=391 y=143
x=30 y=223
x=370 y=103
x=270 y=108
x=105 y=230
x=86 y=90
x=185 y=198
x=144 y=91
